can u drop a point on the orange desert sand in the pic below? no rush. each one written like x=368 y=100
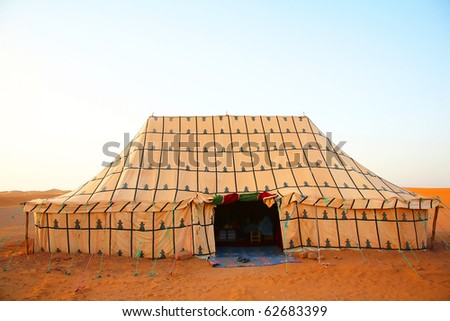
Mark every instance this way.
x=344 y=274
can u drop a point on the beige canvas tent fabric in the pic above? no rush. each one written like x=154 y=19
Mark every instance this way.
x=156 y=197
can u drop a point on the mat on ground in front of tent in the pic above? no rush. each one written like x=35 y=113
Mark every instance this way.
x=250 y=256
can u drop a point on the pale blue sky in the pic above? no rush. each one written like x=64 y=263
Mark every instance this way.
x=76 y=74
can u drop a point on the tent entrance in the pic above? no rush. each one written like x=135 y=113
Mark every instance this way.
x=247 y=224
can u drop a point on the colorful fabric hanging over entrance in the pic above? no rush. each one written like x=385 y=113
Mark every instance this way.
x=247 y=197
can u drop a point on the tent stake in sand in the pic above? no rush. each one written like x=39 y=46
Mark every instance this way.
x=81 y=287
x=152 y=273
x=172 y=269
x=27 y=220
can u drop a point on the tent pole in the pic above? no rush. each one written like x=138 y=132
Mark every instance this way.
x=318 y=239
x=433 y=231
x=27 y=219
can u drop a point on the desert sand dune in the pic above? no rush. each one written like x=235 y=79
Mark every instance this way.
x=15 y=198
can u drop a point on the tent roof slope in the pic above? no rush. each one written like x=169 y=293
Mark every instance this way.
x=174 y=160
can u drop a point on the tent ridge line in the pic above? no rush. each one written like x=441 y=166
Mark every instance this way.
x=250 y=151
x=178 y=161
x=160 y=158
x=141 y=160
x=125 y=160
x=268 y=154
x=370 y=174
x=329 y=170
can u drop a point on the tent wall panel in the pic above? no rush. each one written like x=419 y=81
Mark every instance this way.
x=98 y=233
x=347 y=228
x=388 y=229
x=421 y=223
x=99 y=241
x=56 y=243
x=208 y=222
x=368 y=234
x=328 y=235
x=203 y=230
x=163 y=244
x=161 y=234
x=308 y=226
x=290 y=235
x=81 y=242
x=408 y=237
x=388 y=235
x=348 y=236
x=289 y=225
x=120 y=242
x=142 y=244
x=42 y=239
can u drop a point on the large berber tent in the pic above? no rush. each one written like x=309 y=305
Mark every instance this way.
x=161 y=194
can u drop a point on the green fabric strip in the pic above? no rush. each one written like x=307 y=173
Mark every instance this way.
x=217 y=200
x=248 y=197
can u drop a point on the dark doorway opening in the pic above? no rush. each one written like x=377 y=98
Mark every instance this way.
x=247 y=224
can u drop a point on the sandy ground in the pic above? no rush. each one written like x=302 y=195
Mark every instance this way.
x=347 y=274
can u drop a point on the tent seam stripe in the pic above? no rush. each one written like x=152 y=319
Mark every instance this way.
x=215 y=155
x=287 y=157
x=250 y=151
x=268 y=154
x=306 y=158
x=160 y=158
x=232 y=154
x=125 y=160
x=142 y=159
x=325 y=161
x=178 y=161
